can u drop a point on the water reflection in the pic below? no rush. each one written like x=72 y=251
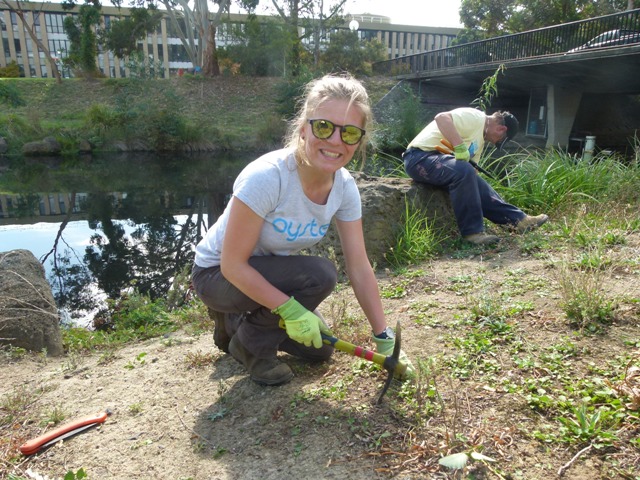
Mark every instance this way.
x=142 y=213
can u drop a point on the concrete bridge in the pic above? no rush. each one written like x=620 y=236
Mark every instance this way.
x=563 y=82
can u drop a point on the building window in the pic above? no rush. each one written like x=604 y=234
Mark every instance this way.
x=54 y=22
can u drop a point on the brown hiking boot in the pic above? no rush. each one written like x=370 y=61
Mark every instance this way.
x=220 y=336
x=482 y=238
x=529 y=223
x=265 y=371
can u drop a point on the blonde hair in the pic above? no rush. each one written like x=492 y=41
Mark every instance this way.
x=318 y=91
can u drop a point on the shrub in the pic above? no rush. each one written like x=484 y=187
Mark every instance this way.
x=10 y=94
x=10 y=71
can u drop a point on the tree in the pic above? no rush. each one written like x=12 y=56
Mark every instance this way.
x=81 y=30
x=501 y=17
x=322 y=22
x=310 y=15
x=31 y=30
x=347 y=52
x=122 y=36
x=86 y=33
x=259 y=47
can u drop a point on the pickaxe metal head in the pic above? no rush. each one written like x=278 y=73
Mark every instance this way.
x=391 y=363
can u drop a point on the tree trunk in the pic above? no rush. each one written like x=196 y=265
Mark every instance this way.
x=34 y=37
x=210 y=67
x=296 y=48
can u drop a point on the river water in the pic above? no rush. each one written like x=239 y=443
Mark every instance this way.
x=103 y=224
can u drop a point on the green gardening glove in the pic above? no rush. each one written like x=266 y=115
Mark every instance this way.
x=384 y=346
x=461 y=152
x=301 y=325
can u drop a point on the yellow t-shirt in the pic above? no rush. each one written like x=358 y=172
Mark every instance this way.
x=469 y=123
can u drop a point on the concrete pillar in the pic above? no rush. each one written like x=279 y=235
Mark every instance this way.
x=562 y=106
x=394 y=44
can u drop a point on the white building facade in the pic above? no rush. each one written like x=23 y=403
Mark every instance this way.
x=164 y=45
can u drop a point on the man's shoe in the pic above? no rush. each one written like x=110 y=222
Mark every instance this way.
x=220 y=336
x=481 y=238
x=529 y=223
x=268 y=371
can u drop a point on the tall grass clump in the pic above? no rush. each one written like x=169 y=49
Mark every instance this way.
x=270 y=133
x=551 y=180
x=627 y=191
x=583 y=297
x=415 y=242
x=18 y=129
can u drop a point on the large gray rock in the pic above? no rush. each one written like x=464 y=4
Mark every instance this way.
x=385 y=202
x=28 y=313
x=4 y=146
x=46 y=147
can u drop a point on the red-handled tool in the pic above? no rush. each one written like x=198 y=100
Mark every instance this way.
x=64 y=431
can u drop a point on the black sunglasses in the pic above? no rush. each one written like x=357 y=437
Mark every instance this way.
x=323 y=129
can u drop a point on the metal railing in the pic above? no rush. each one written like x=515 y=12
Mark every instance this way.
x=555 y=40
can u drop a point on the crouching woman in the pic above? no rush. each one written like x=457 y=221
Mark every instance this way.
x=248 y=268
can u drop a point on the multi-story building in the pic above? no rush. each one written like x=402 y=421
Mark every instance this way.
x=164 y=45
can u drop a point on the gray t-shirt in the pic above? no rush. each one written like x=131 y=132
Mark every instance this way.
x=271 y=187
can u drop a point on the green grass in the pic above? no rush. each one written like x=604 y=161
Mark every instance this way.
x=416 y=242
x=551 y=181
x=217 y=112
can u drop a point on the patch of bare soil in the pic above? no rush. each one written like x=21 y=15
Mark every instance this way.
x=182 y=409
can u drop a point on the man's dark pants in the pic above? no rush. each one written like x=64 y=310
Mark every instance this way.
x=472 y=198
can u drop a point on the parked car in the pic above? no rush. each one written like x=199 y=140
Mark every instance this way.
x=610 y=38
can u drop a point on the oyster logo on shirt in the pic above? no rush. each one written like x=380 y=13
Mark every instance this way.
x=294 y=232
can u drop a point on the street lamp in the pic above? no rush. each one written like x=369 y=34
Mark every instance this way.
x=354 y=25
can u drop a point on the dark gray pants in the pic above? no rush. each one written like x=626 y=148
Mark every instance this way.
x=308 y=279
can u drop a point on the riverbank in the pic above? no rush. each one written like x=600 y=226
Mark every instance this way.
x=189 y=113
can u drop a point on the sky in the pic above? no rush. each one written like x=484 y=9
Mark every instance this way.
x=428 y=13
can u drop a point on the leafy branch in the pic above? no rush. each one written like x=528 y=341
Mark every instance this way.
x=488 y=90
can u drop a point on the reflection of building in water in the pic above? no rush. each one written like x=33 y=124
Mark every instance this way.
x=46 y=207
x=50 y=207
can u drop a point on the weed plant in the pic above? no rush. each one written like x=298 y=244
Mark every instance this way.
x=584 y=300
x=416 y=242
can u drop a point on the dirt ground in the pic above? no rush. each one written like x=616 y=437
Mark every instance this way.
x=181 y=409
